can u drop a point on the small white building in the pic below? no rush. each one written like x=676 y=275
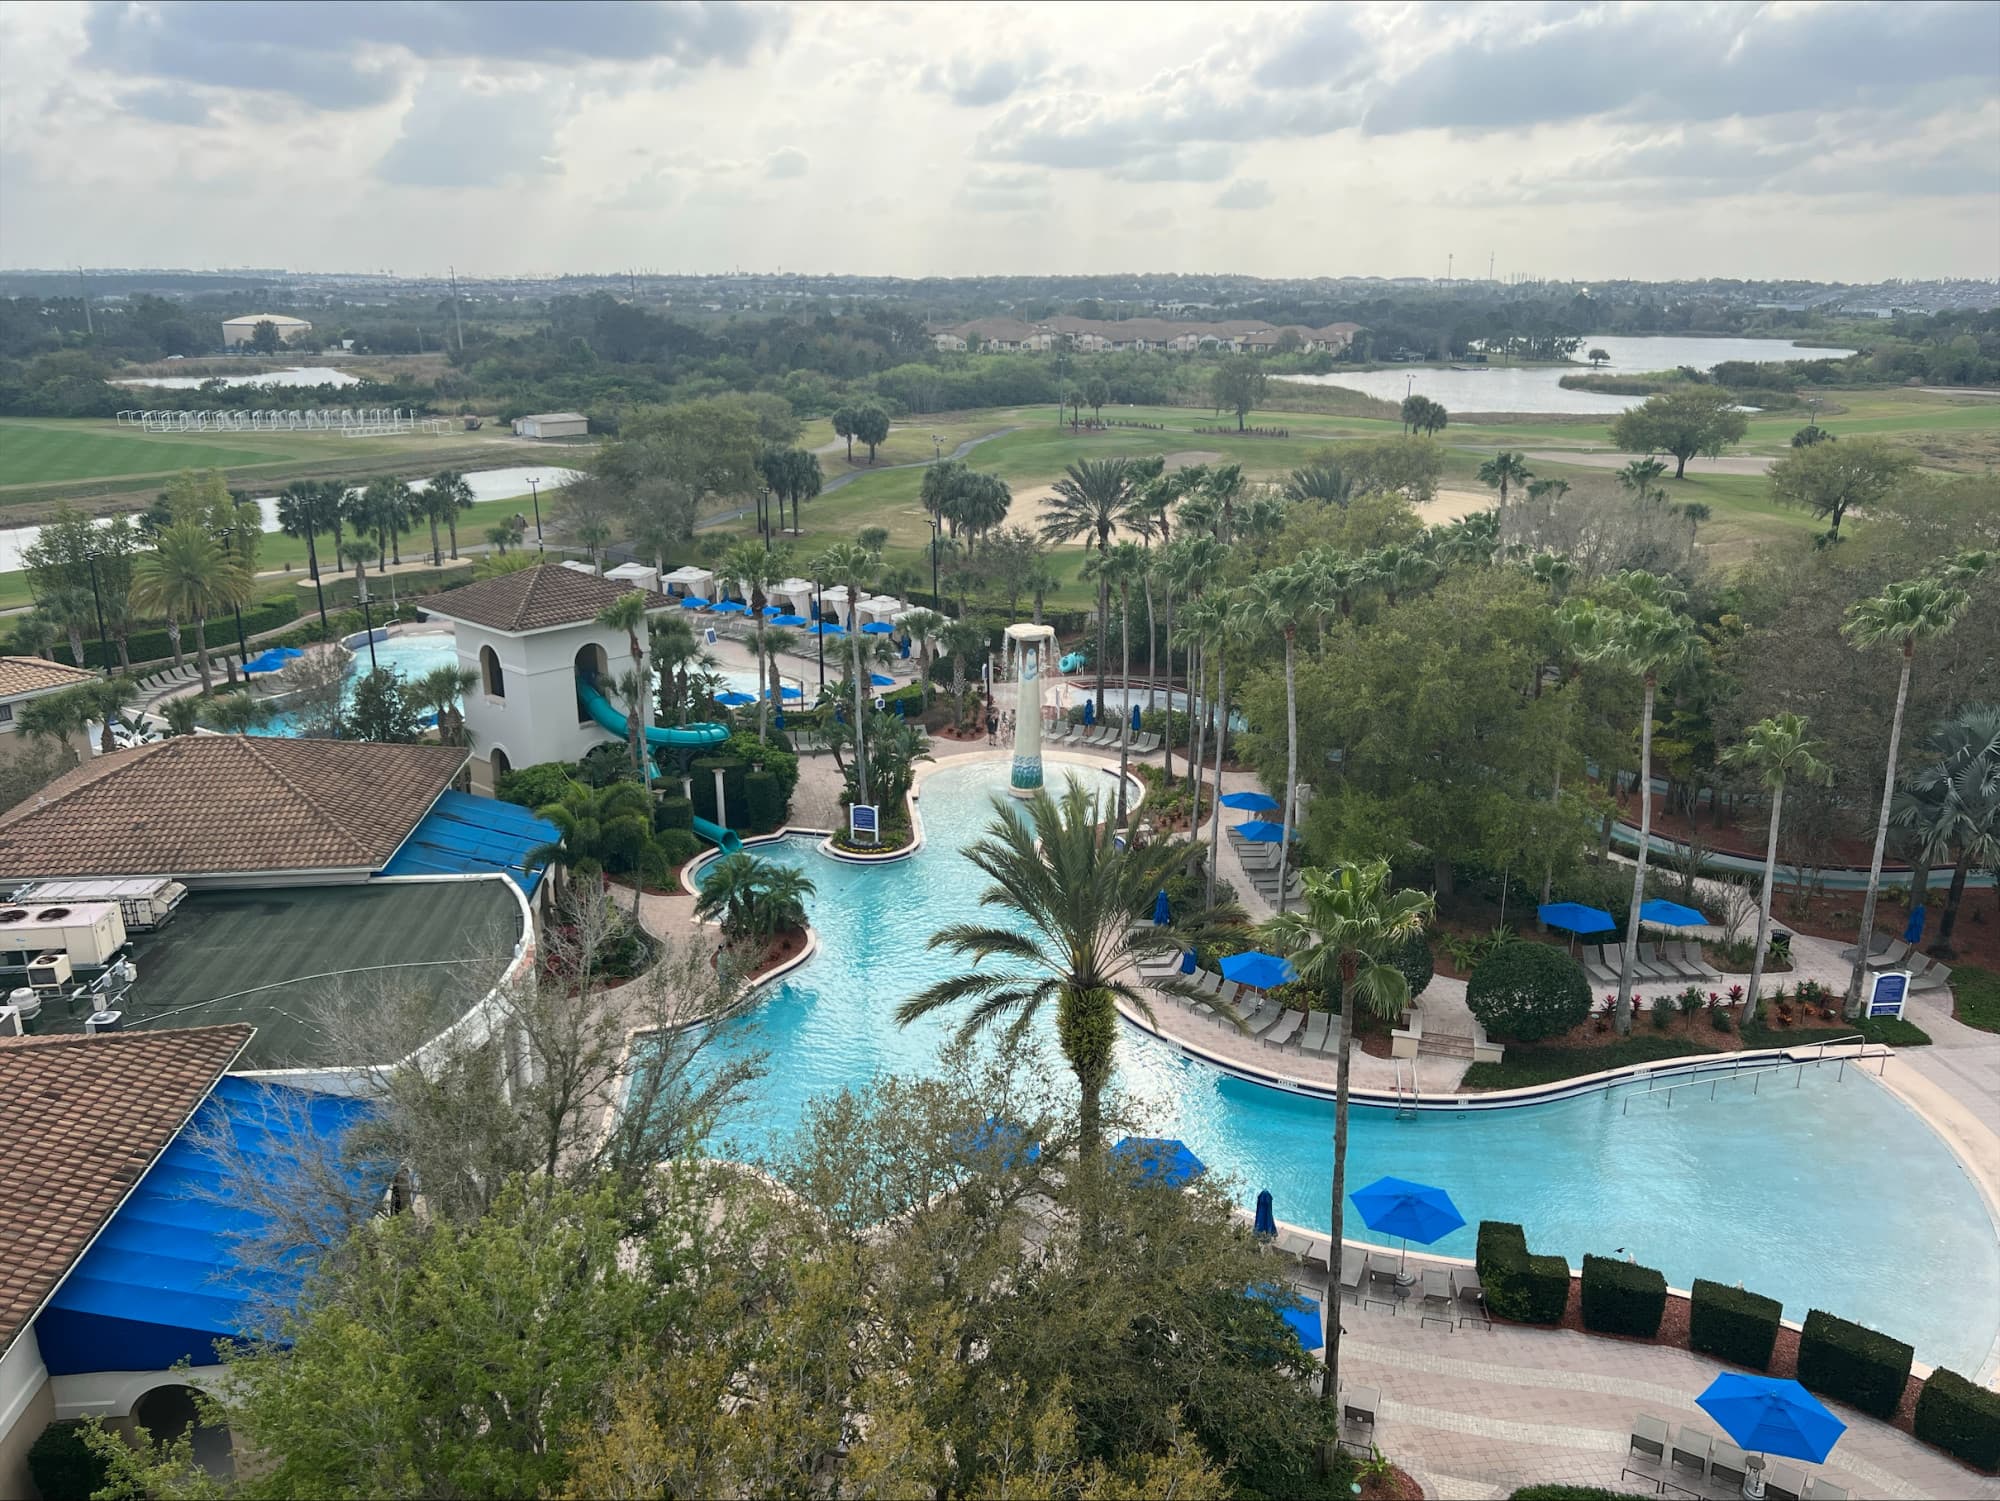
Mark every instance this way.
x=530 y=636
x=552 y=425
x=238 y=333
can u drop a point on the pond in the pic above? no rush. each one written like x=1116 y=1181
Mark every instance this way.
x=1499 y=388
x=305 y=375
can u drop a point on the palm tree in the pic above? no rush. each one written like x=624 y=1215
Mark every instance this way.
x=1218 y=624
x=777 y=641
x=1322 y=484
x=189 y=575
x=850 y=563
x=442 y=691
x=1399 y=572
x=59 y=718
x=1953 y=804
x=958 y=640
x=360 y=552
x=68 y=606
x=924 y=627
x=237 y=712
x=1280 y=600
x=305 y=509
x=1901 y=616
x=1553 y=572
x=447 y=494
x=106 y=696
x=1641 y=480
x=596 y=825
x=386 y=506
x=1342 y=937
x=755 y=570
x=1077 y=896
x=1089 y=500
x=1778 y=751
x=1650 y=641
x=181 y=714
x=1123 y=563
x=627 y=613
x=35 y=635
x=1503 y=469
x=1190 y=563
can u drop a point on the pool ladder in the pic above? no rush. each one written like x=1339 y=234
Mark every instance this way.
x=1406 y=1104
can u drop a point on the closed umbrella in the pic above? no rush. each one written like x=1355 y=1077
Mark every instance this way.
x=1665 y=914
x=1267 y=1222
x=1410 y=1211
x=1250 y=802
x=1259 y=971
x=1187 y=962
x=1090 y=711
x=1771 y=1416
x=1135 y=719
x=1913 y=930
x=1163 y=912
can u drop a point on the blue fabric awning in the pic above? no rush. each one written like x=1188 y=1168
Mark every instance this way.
x=163 y=1283
x=466 y=835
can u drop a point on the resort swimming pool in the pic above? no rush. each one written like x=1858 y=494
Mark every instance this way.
x=1829 y=1195
x=409 y=657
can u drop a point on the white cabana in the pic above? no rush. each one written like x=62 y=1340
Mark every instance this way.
x=833 y=604
x=640 y=575
x=881 y=607
x=576 y=567
x=795 y=595
x=689 y=580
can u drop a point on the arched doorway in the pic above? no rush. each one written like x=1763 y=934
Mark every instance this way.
x=496 y=760
x=593 y=667
x=166 y=1412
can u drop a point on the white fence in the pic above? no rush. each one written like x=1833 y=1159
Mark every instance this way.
x=349 y=422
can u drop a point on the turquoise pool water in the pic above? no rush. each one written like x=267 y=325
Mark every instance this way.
x=407 y=656
x=1829 y=1195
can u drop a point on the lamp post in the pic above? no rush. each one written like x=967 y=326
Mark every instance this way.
x=937 y=522
x=103 y=638
x=819 y=635
x=937 y=448
x=535 y=495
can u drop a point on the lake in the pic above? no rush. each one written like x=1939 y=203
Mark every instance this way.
x=1498 y=388
x=309 y=375
x=487 y=484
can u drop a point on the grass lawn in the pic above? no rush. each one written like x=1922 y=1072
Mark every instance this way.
x=1526 y=1065
x=35 y=453
x=1976 y=992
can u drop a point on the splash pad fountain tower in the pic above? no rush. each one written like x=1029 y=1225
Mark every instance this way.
x=1033 y=649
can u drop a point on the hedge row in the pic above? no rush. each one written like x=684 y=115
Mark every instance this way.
x=153 y=645
x=1960 y=1418
x=1853 y=1363
x=341 y=589
x=1525 y=1288
x=1734 y=1325
x=1620 y=1297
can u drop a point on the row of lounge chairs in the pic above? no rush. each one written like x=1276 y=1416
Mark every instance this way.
x=1100 y=737
x=1654 y=962
x=1925 y=972
x=1260 y=865
x=178 y=677
x=1659 y=1455
x=1210 y=996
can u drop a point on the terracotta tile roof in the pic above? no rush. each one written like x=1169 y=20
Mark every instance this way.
x=220 y=804
x=83 y=1118
x=36 y=674
x=534 y=599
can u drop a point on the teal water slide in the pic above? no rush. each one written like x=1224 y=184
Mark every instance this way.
x=685 y=740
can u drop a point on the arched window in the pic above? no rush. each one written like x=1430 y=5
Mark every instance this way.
x=490 y=675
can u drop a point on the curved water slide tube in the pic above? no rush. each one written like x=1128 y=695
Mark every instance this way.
x=679 y=737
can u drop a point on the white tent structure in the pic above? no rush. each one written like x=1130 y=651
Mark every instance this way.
x=882 y=607
x=641 y=575
x=688 y=580
x=795 y=595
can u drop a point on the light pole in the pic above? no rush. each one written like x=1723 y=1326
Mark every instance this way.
x=368 y=623
x=819 y=633
x=937 y=522
x=103 y=639
x=937 y=448
x=535 y=495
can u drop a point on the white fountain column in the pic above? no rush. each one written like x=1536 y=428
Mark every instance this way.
x=1034 y=650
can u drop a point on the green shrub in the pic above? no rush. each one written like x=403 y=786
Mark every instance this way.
x=1522 y=992
x=1662 y=1011
x=701 y=774
x=604 y=764
x=339 y=588
x=676 y=847
x=63 y=1466
x=1621 y=1298
x=1567 y=1493
x=672 y=813
x=1732 y=1324
x=781 y=763
x=1412 y=959
x=764 y=804
x=1853 y=1363
x=1960 y=1418
x=1528 y=1289
x=535 y=786
x=154 y=646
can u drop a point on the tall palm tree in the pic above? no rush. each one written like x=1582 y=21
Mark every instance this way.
x=850 y=564
x=386 y=503
x=756 y=570
x=1340 y=940
x=1076 y=897
x=106 y=696
x=1504 y=469
x=305 y=509
x=70 y=608
x=1123 y=564
x=1088 y=501
x=1219 y=625
x=360 y=552
x=627 y=613
x=189 y=575
x=1277 y=602
x=1952 y=802
x=1901 y=616
x=1777 y=751
x=777 y=642
x=1192 y=562
x=450 y=493
x=1400 y=572
x=1652 y=642
x=1641 y=480
x=923 y=627
x=958 y=640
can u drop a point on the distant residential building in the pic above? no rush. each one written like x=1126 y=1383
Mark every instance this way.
x=552 y=425
x=1099 y=336
x=237 y=332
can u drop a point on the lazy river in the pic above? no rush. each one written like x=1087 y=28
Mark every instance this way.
x=1831 y=1194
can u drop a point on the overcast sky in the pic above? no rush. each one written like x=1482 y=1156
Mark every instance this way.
x=1848 y=141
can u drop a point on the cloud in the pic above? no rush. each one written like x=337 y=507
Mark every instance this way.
x=166 y=106
x=987 y=191
x=1175 y=112
x=1246 y=193
x=456 y=136
x=977 y=81
x=787 y=161
x=338 y=55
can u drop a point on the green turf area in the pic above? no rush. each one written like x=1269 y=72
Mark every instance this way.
x=1975 y=993
x=270 y=957
x=1525 y=1065
x=33 y=453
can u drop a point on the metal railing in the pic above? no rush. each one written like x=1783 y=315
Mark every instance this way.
x=1406 y=1105
x=1717 y=1074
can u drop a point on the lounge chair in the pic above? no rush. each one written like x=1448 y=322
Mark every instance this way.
x=1918 y=967
x=1892 y=957
x=1292 y=1243
x=1725 y=1463
x=1877 y=942
x=1145 y=745
x=1674 y=957
x=1466 y=1285
x=1330 y=1046
x=1648 y=1439
x=1690 y=955
x=1314 y=1036
x=1783 y=1482
x=1207 y=982
x=1819 y=1488
x=1263 y=1014
x=1319 y=1253
x=1934 y=977
x=1644 y=967
x=1436 y=1286
x=1358 y=1406
x=1353 y=1267
x=1279 y=1035
x=1229 y=994
x=1690 y=1450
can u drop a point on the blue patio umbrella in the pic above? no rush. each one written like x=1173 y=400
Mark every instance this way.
x=788 y=620
x=693 y=602
x=1090 y=711
x=995 y=1134
x=1668 y=914
x=1771 y=1416
x=732 y=607
x=880 y=680
x=733 y=700
x=877 y=628
x=1250 y=802
x=1267 y=1222
x=1261 y=831
x=1574 y=917
x=772 y=612
x=1913 y=930
x=827 y=628
x=1135 y=719
x=1160 y=1159
x=1259 y=971
x=272 y=659
x=1303 y=1322
x=1411 y=1211
x=1163 y=912
x=786 y=691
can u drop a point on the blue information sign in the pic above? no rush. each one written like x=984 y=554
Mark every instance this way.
x=1887 y=995
x=861 y=821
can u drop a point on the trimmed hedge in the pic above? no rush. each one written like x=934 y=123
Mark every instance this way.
x=154 y=646
x=672 y=813
x=1853 y=1363
x=342 y=591
x=63 y=1465
x=1733 y=1325
x=1414 y=961
x=1567 y=1493
x=701 y=773
x=1525 y=1288
x=763 y=800
x=1522 y=992
x=1622 y=1298
x=535 y=786
x=1960 y=1418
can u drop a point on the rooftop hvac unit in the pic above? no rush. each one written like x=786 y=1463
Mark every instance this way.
x=10 y=1022
x=104 y=1021
x=24 y=1003
x=50 y=971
